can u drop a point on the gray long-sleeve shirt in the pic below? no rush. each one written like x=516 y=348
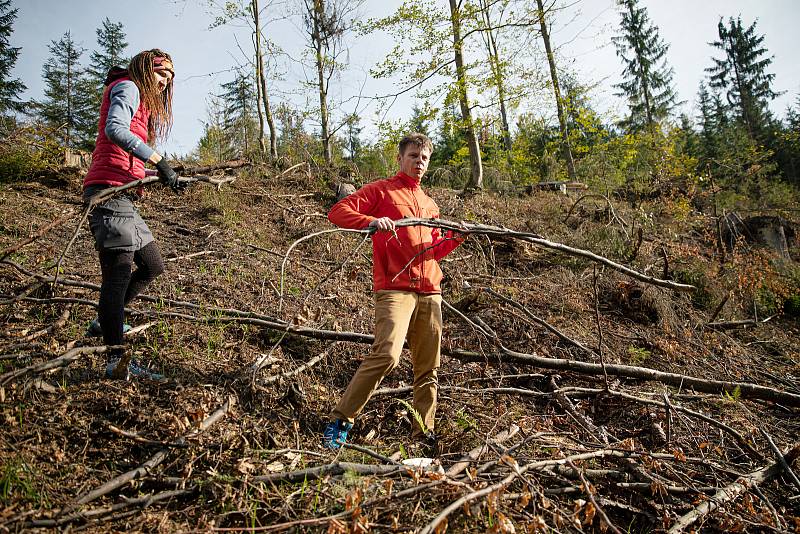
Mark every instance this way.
x=124 y=99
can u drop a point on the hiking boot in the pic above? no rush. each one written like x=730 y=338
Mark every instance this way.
x=116 y=369
x=335 y=434
x=428 y=444
x=95 y=330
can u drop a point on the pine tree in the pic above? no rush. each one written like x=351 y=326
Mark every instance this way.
x=111 y=53
x=648 y=79
x=239 y=120
x=65 y=89
x=709 y=137
x=111 y=40
x=742 y=74
x=9 y=88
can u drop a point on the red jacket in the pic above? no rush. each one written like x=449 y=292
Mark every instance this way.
x=396 y=198
x=111 y=165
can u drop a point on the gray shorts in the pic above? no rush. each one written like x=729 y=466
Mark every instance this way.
x=117 y=225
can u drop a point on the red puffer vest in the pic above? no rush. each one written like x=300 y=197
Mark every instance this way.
x=111 y=165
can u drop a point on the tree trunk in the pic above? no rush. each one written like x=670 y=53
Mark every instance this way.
x=562 y=120
x=262 y=85
x=476 y=167
x=319 y=17
x=262 y=148
x=497 y=74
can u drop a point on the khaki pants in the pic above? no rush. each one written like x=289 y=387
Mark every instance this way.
x=399 y=316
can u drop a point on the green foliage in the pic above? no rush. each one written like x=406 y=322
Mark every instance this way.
x=733 y=396
x=16 y=482
x=415 y=414
x=742 y=74
x=68 y=93
x=110 y=53
x=10 y=88
x=637 y=355
x=27 y=151
x=648 y=79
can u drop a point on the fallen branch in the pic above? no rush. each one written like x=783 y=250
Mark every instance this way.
x=13 y=248
x=154 y=461
x=536 y=239
x=718 y=387
x=478 y=451
x=61 y=361
x=332 y=469
x=732 y=491
x=517 y=471
x=143 y=501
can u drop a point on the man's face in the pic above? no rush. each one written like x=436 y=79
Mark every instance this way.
x=414 y=161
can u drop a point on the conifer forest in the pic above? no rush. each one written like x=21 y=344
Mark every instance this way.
x=620 y=311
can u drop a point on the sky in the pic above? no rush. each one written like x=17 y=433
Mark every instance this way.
x=204 y=57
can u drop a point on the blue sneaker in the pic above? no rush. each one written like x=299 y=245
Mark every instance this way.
x=95 y=330
x=335 y=434
x=134 y=370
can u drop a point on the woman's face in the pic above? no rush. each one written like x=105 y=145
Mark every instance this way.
x=163 y=79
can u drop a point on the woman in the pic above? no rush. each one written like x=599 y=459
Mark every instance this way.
x=136 y=109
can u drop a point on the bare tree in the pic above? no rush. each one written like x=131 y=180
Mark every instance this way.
x=562 y=118
x=263 y=95
x=326 y=23
x=476 y=166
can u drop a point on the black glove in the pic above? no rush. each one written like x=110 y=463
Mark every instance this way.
x=168 y=176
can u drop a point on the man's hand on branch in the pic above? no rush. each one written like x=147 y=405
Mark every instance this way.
x=383 y=224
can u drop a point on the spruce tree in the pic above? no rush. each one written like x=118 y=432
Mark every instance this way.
x=742 y=74
x=707 y=118
x=239 y=101
x=648 y=79
x=64 y=106
x=10 y=88
x=110 y=53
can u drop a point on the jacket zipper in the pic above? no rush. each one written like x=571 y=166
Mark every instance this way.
x=419 y=232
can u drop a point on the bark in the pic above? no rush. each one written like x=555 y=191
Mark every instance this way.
x=154 y=461
x=317 y=15
x=497 y=74
x=476 y=166
x=262 y=85
x=562 y=118
x=732 y=491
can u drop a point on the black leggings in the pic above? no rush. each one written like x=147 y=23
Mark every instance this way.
x=120 y=286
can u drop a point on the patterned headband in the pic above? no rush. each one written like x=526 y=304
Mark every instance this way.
x=161 y=63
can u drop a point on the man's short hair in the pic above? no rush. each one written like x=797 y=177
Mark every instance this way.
x=419 y=140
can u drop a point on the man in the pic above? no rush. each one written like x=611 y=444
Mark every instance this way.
x=406 y=283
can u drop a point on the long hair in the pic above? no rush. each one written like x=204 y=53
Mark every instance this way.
x=158 y=103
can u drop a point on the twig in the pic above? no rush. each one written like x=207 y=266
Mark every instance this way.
x=587 y=488
x=732 y=491
x=61 y=361
x=307 y=365
x=779 y=455
x=154 y=461
x=478 y=451
x=517 y=471
x=13 y=248
x=599 y=327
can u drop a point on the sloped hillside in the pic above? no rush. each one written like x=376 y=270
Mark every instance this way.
x=549 y=418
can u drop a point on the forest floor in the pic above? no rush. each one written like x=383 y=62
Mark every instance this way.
x=231 y=441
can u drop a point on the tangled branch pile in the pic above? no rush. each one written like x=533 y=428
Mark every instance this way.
x=573 y=396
